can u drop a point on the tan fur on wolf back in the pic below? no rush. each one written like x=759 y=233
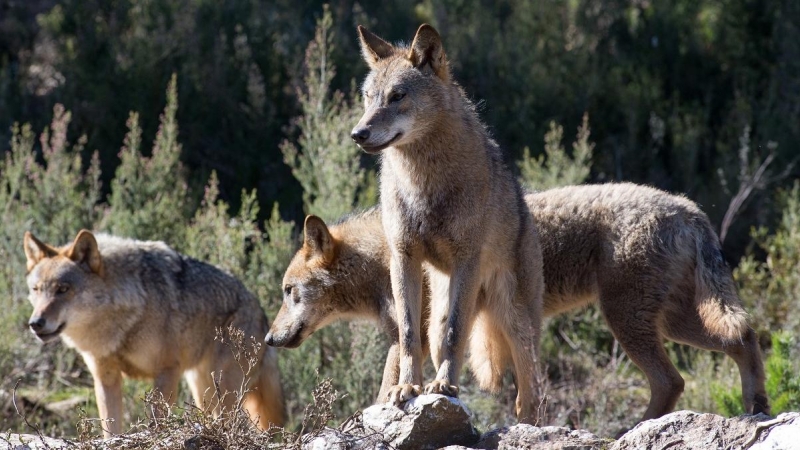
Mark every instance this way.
x=598 y=242
x=451 y=210
x=140 y=309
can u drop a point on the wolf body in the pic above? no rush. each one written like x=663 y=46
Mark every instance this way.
x=650 y=259
x=452 y=210
x=140 y=309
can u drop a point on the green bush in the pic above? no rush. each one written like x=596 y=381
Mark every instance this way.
x=770 y=284
x=783 y=374
x=555 y=167
x=783 y=380
x=53 y=192
x=326 y=163
x=150 y=196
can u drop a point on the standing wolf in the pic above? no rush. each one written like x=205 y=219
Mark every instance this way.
x=142 y=310
x=453 y=209
x=650 y=259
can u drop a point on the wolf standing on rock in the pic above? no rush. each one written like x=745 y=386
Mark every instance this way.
x=649 y=259
x=452 y=208
x=143 y=310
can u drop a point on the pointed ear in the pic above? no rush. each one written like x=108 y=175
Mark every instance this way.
x=317 y=238
x=427 y=50
x=36 y=250
x=373 y=48
x=84 y=250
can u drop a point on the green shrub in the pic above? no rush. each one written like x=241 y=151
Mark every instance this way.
x=555 y=167
x=783 y=374
x=783 y=380
x=325 y=161
x=769 y=285
x=53 y=192
x=149 y=195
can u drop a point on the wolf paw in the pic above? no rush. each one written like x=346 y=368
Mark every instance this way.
x=402 y=392
x=441 y=387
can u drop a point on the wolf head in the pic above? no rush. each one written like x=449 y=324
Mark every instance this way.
x=404 y=90
x=61 y=282
x=327 y=280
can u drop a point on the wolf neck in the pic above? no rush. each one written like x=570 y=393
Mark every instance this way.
x=369 y=290
x=446 y=153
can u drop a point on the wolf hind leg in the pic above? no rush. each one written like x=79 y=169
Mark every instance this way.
x=264 y=399
x=216 y=381
x=641 y=339
x=688 y=328
x=519 y=315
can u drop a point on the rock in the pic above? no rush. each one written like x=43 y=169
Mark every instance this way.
x=529 y=436
x=435 y=421
x=690 y=430
x=424 y=422
x=331 y=439
x=31 y=442
x=780 y=433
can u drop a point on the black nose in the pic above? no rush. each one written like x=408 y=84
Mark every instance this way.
x=269 y=339
x=360 y=136
x=37 y=324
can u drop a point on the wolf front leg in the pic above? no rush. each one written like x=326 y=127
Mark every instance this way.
x=391 y=369
x=166 y=384
x=391 y=372
x=453 y=302
x=108 y=393
x=406 y=274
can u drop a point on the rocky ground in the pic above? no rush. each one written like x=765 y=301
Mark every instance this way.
x=435 y=421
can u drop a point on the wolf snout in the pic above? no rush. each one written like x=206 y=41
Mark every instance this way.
x=37 y=324
x=286 y=338
x=360 y=135
x=45 y=331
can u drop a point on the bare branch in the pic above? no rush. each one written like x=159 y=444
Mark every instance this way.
x=747 y=183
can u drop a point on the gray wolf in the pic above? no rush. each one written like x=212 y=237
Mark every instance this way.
x=650 y=259
x=140 y=309
x=452 y=210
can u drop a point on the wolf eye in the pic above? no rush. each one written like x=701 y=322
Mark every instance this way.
x=62 y=289
x=396 y=97
x=287 y=291
x=35 y=288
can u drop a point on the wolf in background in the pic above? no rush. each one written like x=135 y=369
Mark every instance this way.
x=140 y=309
x=650 y=259
x=452 y=210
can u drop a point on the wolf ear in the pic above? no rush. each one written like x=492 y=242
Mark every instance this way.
x=318 y=238
x=36 y=250
x=84 y=250
x=373 y=48
x=427 y=50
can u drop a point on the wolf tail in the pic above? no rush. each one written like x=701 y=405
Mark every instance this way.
x=489 y=353
x=265 y=399
x=717 y=302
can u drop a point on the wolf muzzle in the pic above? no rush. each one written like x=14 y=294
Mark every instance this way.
x=38 y=326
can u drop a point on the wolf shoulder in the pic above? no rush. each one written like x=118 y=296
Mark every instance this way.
x=154 y=273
